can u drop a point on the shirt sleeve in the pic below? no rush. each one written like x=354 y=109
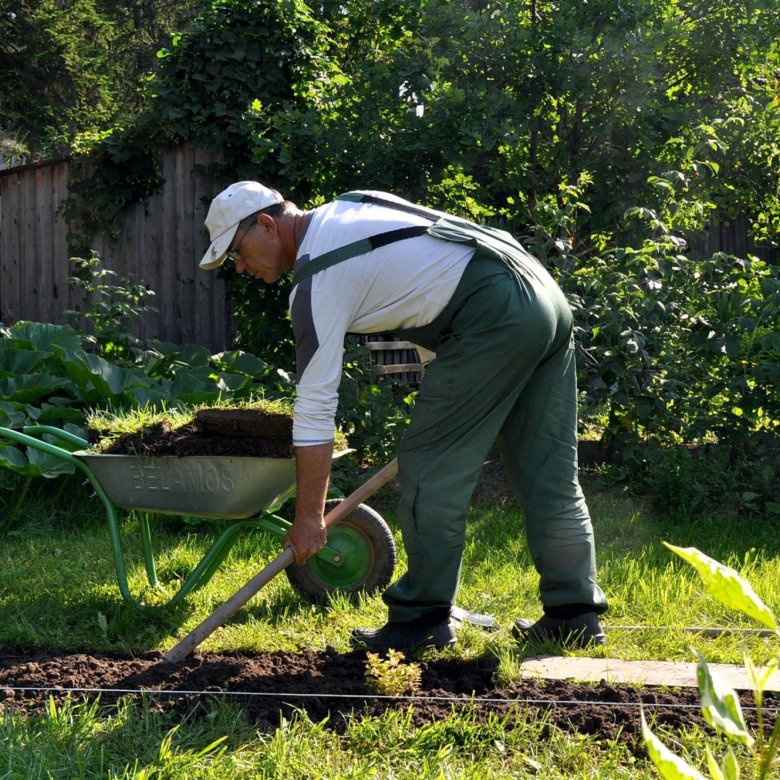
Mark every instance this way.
x=320 y=324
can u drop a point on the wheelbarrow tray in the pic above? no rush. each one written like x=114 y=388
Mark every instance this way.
x=233 y=488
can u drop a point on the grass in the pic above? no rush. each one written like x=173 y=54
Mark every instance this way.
x=57 y=588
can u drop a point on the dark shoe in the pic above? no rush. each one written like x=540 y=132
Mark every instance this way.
x=581 y=631
x=403 y=636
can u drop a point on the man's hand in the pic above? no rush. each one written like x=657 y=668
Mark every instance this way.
x=306 y=537
x=308 y=534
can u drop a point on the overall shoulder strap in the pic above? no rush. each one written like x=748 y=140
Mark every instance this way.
x=361 y=247
x=362 y=197
x=364 y=245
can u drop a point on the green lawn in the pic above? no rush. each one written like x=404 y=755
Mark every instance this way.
x=57 y=588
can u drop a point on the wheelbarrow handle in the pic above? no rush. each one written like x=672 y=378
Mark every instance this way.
x=43 y=446
x=282 y=561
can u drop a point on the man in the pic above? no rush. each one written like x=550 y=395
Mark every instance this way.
x=369 y=262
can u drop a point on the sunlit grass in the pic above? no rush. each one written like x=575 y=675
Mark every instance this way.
x=134 y=740
x=57 y=579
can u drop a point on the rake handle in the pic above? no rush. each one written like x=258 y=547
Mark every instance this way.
x=226 y=610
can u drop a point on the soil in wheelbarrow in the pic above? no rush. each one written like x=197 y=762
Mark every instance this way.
x=223 y=432
x=326 y=683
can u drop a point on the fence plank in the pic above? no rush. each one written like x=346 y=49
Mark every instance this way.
x=60 y=257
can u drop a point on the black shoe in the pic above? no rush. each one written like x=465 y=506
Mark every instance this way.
x=582 y=631
x=403 y=636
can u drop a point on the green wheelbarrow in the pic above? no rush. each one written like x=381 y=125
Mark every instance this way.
x=359 y=556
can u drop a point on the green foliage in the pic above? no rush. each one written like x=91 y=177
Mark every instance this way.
x=218 y=84
x=48 y=377
x=720 y=704
x=73 y=68
x=108 y=308
x=372 y=414
x=609 y=132
x=677 y=347
x=57 y=57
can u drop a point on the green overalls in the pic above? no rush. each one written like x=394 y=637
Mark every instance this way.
x=504 y=372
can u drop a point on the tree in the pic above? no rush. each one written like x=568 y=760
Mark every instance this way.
x=72 y=68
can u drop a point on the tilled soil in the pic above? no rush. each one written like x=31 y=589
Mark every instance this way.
x=328 y=683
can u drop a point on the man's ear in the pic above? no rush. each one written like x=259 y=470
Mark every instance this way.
x=268 y=223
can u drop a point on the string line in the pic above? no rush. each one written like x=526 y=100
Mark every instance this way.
x=369 y=697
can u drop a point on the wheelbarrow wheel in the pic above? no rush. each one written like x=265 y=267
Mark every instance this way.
x=366 y=545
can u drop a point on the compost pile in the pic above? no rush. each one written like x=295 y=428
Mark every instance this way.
x=224 y=432
x=329 y=684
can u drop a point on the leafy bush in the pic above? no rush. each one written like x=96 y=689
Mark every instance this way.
x=674 y=348
x=111 y=304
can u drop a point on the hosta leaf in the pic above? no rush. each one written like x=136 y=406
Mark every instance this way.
x=49 y=465
x=29 y=387
x=194 y=355
x=243 y=362
x=12 y=415
x=725 y=585
x=15 y=361
x=111 y=379
x=233 y=382
x=720 y=706
x=14 y=459
x=43 y=336
x=669 y=765
x=50 y=413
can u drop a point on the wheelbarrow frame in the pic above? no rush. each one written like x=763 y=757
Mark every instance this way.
x=209 y=563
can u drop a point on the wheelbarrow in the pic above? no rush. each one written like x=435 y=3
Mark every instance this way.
x=359 y=556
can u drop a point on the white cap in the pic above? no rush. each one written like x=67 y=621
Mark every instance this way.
x=232 y=205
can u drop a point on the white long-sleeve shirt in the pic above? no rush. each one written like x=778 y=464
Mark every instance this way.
x=401 y=285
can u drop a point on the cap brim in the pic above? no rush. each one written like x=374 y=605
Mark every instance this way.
x=216 y=253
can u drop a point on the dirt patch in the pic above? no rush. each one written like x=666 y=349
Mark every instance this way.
x=224 y=432
x=328 y=683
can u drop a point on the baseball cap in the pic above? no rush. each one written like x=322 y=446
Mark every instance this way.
x=239 y=200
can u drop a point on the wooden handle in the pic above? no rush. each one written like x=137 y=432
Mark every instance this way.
x=229 y=608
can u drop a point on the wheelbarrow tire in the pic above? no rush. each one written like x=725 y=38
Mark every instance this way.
x=367 y=546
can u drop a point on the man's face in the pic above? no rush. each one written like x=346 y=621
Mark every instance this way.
x=259 y=252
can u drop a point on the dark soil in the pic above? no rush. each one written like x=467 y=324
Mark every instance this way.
x=224 y=432
x=333 y=684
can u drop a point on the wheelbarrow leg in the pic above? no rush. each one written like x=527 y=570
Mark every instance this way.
x=283 y=560
x=211 y=561
x=116 y=548
x=146 y=543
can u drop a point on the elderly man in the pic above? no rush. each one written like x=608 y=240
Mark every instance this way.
x=370 y=262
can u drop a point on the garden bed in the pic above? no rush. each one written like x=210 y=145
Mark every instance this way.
x=329 y=684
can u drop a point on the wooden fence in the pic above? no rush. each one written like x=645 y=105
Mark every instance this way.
x=733 y=238
x=160 y=244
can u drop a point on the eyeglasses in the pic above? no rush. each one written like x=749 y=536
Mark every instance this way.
x=233 y=254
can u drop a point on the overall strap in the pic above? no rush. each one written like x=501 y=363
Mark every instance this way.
x=362 y=197
x=364 y=245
